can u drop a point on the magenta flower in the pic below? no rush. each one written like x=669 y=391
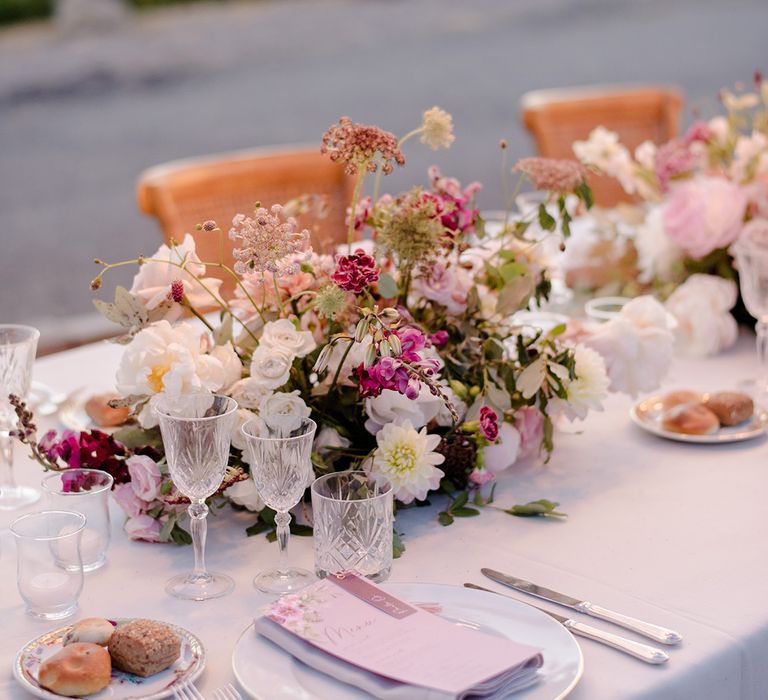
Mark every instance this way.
x=458 y=213
x=412 y=341
x=489 y=424
x=698 y=131
x=363 y=211
x=439 y=339
x=355 y=272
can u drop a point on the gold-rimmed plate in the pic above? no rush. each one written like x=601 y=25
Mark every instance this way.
x=648 y=415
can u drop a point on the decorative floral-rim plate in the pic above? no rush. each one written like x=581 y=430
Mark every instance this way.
x=647 y=414
x=123 y=686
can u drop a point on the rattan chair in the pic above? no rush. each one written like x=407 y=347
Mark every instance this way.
x=184 y=193
x=557 y=118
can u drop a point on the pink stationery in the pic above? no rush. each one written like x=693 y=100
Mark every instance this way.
x=358 y=622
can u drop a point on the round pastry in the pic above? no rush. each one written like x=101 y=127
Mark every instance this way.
x=144 y=647
x=78 y=669
x=730 y=407
x=101 y=413
x=677 y=398
x=690 y=419
x=94 y=630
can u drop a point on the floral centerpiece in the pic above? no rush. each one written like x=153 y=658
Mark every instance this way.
x=701 y=191
x=403 y=346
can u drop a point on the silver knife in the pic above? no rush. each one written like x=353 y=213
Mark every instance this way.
x=659 y=634
x=644 y=652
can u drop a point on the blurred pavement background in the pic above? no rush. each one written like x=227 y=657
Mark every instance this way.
x=80 y=117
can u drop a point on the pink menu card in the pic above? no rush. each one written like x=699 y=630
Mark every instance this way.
x=357 y=621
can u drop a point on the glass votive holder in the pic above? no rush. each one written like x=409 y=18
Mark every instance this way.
x=49 y=568
x=605 y=308
x=352 y=525
x=84 y=491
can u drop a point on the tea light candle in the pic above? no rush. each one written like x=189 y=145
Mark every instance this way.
x=50 y=589
x=91 y=546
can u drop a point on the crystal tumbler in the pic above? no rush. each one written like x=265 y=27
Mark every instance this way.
x=50 y=571
x=353 y=525
x=84 y=491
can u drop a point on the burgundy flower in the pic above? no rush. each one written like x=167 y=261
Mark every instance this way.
x=439 y=339
x=355 y=272
x=176 y=292
x=489 y=424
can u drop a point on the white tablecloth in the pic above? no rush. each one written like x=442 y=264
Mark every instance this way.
x=664 y=531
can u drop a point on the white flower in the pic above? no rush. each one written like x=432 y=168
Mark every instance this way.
x=750 y=157
x=702 y=308
x=271 y=366
x=406 y=460
x=153 y=280
x=242 y=416
x=392 y=406
x=721 y=130
x=503 y=453
x=590 y=387
x=283 y=335
x=437 y=128
x=283 y=411
x=248 y=393
x=327 y=439
x=221 y=367
x=244 y=493
x=645 y=155
x=636 y=345
x=602 y=150
x=353 y=359
x=657 y=255
x=738 y=103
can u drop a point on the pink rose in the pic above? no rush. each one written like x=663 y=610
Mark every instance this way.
x=529 y=422
x=448 y=286
x=143 y=527
x=127 y=499
x=145 y=477
x=704 y=214
x=480 y=477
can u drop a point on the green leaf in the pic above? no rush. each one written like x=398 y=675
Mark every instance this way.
x=514 y=295
x=558 y=330
x=165 y=531
x=444 y=518
x=542 y=507
x=465 y=512
x=397 y=546
x=180 y=536
x=510 y=270
x=387 y=286
x=267 y=515
x=584 y=193
x=460 y=500
x=300 y=530
x=166 y=487
x=257 y=528
x=546 y=220
x=272 y=536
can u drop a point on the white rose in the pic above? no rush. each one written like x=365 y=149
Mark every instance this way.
x=152 y=282
x=271 y=366
x=283 y=335
x=283 y=411
x=220 y=368
x=503 y=453
x=393 y=407
x=657 y=255
x=702 y=308
x=248 y=393
x=244 y=493
x=327 y=438
x=603 y=151
x=636 y=345
x=242 y=416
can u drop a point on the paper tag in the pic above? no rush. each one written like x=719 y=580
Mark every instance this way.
x=362 y=589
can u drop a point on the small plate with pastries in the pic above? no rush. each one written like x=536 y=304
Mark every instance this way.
x=124 y=659
x=708 y=418
x=80 y=412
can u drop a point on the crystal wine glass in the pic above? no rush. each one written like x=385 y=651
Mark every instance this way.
x=196 y=431
x=751 y=251
x=18 y=345
x=281 y=467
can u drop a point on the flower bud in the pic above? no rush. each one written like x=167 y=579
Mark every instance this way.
x=322 y=359
x=363 y=326
x=385 y=349
x=95 y=283
x=389 y=315
x=370 y=356
x=395 y=344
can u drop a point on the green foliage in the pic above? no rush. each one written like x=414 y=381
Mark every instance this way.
x=397 y=545
x=266 y=524
x=22 y=10
x=542 y=507
x=457 y=509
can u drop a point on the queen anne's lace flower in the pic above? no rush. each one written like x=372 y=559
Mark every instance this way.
x=437 y=129
x=267 y=243
x=361 y=147
x=406 y=459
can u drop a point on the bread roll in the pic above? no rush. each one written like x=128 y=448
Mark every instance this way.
x=676 y=398
x=78 y=669
x=730 y=407
x=690 y=419
x=95 y=630
x=144 y=647
x=101 y=413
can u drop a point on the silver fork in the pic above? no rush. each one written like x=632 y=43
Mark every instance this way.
x=228 y=692
x=187 y=691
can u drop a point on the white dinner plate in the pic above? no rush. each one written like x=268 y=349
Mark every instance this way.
x=647 y=414
x=266 y=672
x=123 y=686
